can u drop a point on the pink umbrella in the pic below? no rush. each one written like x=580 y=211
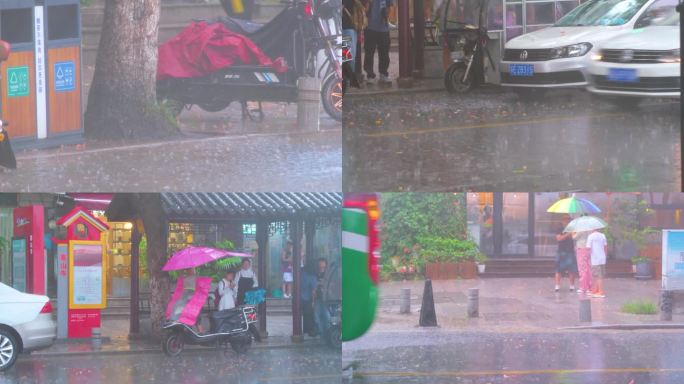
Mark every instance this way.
x=191 y=257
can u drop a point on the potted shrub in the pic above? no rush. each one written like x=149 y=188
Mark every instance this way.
x=449 y=258
x=481 y=260
x=642 y=267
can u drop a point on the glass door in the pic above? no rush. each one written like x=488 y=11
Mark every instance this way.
x=515 y=224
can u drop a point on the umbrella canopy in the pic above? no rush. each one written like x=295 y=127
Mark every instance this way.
x=584 y=224
x=192 y=257
x=573 y=205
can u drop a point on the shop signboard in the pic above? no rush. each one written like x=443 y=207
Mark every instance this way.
x=19 y=257
x=673 y=260
x=86 y=275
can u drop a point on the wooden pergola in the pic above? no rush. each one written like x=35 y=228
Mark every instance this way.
x=302 y=212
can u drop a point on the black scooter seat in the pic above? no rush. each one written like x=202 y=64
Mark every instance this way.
x=241 y=26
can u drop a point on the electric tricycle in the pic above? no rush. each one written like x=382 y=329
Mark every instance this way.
x=306 y=34
x=463 y=32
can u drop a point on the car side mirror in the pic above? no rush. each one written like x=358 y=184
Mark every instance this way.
x=643 y=22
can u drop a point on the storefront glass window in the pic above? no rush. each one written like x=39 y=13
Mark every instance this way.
x=514 y=20
x=495 y=15
x=515 y=224
x=480 y=207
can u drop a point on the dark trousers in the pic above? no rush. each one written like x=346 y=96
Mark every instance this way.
x=380 y=41
x=309 y=327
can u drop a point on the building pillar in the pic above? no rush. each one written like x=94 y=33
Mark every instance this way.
x=405 y=61
x=296 y=234
x=309 y=233
x=134 y=326
x=418 y=38
x=262 y=258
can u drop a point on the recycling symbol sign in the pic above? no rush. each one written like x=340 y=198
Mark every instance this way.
x=17 y=81
x=65 y=76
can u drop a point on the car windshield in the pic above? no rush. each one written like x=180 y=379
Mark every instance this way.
x=601 y=12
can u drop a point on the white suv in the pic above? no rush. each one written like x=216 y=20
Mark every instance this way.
x=558 y=56
x=643 y=63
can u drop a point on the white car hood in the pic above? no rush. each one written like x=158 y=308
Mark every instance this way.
x=650 y=38
x=18 y=307
x=553 y=37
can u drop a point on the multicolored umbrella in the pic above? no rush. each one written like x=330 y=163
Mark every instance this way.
x=573 y=205
x=584 y=224
x=192 y=257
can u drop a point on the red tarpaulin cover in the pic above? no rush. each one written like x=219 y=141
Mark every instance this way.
x=202 y=48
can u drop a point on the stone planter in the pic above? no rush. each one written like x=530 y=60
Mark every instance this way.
x=643 y=270
x=451 y=271
x=441 y=271
x=481 y=268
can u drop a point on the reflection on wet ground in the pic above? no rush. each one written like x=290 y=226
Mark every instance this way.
x=436 y=356
x=290 y=365
x=256 y=162
x=490 y=140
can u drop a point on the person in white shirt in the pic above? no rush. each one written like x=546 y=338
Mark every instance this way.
x=598 y=244
x=227 y=290
x=245 y=280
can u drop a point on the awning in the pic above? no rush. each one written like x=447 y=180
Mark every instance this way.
x=235 y=206
x=92 y=201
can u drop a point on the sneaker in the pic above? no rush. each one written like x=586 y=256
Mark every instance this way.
x=557 y=288
x=572 y=289
x=384 y=79
x=598 y=295
x=579 y=291
x=370 y=76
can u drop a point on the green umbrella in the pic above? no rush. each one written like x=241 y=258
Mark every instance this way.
x=584 y=224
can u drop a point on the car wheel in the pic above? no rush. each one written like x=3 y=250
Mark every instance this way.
x=8 y=350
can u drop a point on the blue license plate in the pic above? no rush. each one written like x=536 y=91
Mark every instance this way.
x=623 y=75
x=521 y=69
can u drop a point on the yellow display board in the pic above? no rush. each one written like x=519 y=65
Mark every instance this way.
x=87 y=277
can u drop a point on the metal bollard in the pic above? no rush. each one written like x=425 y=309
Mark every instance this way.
x=308 y=103
x=585 y=310
x=405 y=305
x=96 y=339
x=473 y=302
x=666 y=305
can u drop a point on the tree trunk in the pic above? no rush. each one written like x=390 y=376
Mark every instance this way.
x=122 y=101
x=149 y=208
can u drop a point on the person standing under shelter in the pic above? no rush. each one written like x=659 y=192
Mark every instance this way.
x=286 y=269
x=598 y=244
x=245 y=280
x=377 y=37
x=227 y=291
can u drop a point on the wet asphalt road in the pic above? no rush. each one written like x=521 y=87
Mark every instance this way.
x=294 y=365
x=436 y=356
x=266 y=161
x=490 y=140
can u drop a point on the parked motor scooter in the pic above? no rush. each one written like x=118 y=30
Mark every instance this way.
x=234 y=326
x=306 y=35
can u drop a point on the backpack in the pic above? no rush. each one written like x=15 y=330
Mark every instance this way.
x=358 y=17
